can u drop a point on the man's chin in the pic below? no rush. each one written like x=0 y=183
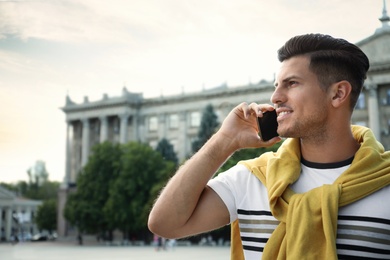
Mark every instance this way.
x=286 y=134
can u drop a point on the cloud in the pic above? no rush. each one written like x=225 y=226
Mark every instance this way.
x=61 y=21
x=137 y=23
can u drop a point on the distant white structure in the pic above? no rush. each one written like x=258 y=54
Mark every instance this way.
x=38 y=173
x=16 y=215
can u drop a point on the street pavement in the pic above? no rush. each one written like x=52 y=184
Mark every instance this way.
x=68 y=251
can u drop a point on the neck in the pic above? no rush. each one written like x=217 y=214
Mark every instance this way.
x=330 y=148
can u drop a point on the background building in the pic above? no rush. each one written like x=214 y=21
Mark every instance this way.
x=373 y=108
x=130 y=117
x=16 y=216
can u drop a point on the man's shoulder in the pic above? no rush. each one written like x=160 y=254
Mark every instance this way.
x=258 y=161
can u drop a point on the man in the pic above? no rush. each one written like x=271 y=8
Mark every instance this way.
x=322 y=195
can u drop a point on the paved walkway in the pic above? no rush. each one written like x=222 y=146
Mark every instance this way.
x=66 y=251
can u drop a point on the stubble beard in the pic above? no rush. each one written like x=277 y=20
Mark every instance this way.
x=312 y=129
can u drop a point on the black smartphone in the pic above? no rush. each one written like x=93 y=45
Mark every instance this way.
x=268 y=125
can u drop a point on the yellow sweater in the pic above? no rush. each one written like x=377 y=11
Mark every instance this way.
x=308 y=221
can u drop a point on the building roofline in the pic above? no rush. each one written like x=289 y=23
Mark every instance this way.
x=136 y=100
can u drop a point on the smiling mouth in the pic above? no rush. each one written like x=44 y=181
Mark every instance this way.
x=284 y=113
x=281 y=114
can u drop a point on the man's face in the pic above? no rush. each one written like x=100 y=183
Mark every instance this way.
x=300 y=103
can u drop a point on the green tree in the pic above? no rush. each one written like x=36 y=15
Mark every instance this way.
x=46 y=191
x=143 y=171
x=84 y=208
x=208 y=125
x=77 y=211
x=246 y=154
x=19 y=189
x=166 y=149
x=36 y=188
x=46 y=218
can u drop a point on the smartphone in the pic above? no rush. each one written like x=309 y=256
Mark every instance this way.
x=268 y=125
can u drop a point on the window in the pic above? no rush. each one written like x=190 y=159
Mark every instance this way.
x=388 y=97
x=361 y=102
x=153 y=143
x=153 y=123
x=195 y=119
x=174 y=121
x=175 y=144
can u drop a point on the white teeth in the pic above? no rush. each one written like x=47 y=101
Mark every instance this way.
x=284 y=113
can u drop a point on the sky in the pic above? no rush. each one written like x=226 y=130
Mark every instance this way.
x=53 y=48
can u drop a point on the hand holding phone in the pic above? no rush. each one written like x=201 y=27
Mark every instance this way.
x=268 y=125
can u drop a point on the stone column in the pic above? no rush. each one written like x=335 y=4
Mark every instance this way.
x=19 y=217
x=68 y=152
x=373 y=110
x=61 y=222
x=123 y=128
x=135 y=123
x=103 y=129
x=8 y=223
x=85 y=142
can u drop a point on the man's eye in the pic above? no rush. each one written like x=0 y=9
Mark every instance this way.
x=292 y=83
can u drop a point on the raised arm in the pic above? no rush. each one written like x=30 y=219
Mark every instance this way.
x=187 y=206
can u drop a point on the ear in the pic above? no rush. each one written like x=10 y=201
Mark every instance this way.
x=340 y=93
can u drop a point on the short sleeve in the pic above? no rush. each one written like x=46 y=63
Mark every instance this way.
x=228 y=187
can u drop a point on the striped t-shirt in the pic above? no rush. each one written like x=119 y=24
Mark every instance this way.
x=363 y=230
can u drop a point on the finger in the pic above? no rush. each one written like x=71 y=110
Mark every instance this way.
x=259 y=109
x=245 y=109
x=255 y=108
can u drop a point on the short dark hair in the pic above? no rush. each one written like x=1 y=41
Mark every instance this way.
x=331 y=59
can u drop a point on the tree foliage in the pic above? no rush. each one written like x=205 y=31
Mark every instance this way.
x=128 y=204
x=84 y=208
x=46 y=191
x=46 y=218
x=208 y=125
x=246 y=154
x=166 y=149
x=115 y=188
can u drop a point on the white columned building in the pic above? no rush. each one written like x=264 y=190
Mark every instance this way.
x=85 y=142
x=373 y=108
x=16 y=216
x=123 y=127
x=103 y=128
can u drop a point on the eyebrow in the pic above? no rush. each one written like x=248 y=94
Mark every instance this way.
x=287 y=79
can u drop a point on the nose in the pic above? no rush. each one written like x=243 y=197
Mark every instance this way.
x=278 y=96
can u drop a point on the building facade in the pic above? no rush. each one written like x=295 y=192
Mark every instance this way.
x=16 y=216
x=130 y=117
x=373 y=108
